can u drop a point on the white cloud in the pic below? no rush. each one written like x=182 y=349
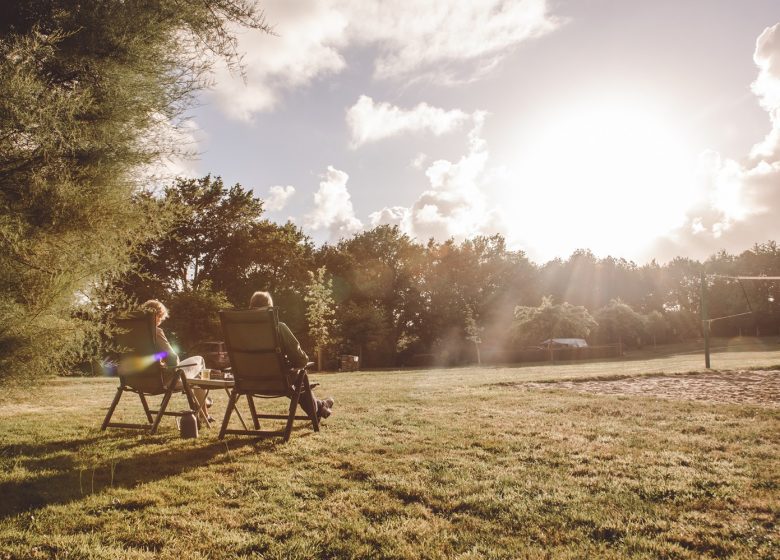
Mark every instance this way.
x=394 y=216
x=435 y=37
x=767 y=88
x=278 y=197
x=419 y=160
x=333 y=207
x=307 y=44
x=454 y=205
x=446 y=40
x=369 y=121
x=739 y=203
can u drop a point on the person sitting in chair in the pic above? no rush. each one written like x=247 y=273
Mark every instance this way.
x=192 y=366
x=294 y=355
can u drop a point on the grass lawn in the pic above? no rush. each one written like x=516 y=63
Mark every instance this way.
x=449 y=463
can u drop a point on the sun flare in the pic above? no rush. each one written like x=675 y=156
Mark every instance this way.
x=617 y=176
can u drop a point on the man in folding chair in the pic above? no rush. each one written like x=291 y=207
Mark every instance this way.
x=295 y=356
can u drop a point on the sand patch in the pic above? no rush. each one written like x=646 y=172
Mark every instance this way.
x=734 y=387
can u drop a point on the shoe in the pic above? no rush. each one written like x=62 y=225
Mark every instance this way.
x=329 y=402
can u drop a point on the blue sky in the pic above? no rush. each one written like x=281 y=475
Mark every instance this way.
x=634 y=128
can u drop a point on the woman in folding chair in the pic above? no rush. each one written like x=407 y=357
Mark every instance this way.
x=192 y=366
x=295 y=356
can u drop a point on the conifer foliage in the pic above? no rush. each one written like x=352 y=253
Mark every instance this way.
x=89 y=91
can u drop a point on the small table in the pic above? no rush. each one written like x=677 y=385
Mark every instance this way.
x=209 y=384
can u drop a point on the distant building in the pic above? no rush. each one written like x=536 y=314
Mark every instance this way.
x=565 y=342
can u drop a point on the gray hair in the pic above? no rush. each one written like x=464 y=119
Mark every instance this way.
x=261 y=299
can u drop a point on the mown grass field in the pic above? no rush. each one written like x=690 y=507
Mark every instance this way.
x=451 y=463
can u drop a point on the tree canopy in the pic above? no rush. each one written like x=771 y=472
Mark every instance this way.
x=89 y=93
x=551 y=320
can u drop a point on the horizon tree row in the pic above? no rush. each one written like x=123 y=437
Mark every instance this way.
x=396 y=301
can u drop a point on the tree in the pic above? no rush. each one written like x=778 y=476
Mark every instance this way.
x=480 y=276
x=271 y=257
x=381 y=268
x=319 y=313
x=207 y=221
x=549 y=320
x=657 y=327
x=195 y=315
x=89 y=91
x=617 y=322
x=474 y=332
x=361 y=327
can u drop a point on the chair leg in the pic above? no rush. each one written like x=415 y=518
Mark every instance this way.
x=112 y=407
x=253 y=411
x=228 y=411
x=315 y=419
x=293 y=408
x=191 y=400
x=146 y=408
x=163 y=406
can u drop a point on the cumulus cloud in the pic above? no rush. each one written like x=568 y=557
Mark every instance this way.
x=739 y=202
x=278 y=197
x=767 y=88
x=446 y=40
x=309 y=37
x=454 y=205
x=333 y=206
x=369 y=121
x=391 y=216
x=439 y=36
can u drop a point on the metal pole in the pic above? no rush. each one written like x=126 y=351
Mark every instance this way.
x=705 y=321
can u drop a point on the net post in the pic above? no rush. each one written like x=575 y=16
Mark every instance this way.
x=705 y=321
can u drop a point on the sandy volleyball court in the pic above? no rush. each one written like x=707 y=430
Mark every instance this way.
x=735 y=387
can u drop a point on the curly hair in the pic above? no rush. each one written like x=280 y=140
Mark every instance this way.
x=156 y=307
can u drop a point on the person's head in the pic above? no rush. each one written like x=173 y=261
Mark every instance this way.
x=261 y=299
x=157 y=308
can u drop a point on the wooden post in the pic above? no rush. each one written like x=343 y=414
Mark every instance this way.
x=705 y=321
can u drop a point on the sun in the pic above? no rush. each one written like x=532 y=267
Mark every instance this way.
x=610 y=177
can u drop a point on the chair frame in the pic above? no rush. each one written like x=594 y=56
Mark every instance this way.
x=301 y=387
x=153 y=417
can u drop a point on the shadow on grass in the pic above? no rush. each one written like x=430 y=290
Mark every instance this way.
x=63 y=481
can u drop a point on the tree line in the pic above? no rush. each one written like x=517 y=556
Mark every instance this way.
x=392 y=300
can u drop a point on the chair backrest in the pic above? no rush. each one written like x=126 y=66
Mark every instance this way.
x=254 y=346
x=139 y=359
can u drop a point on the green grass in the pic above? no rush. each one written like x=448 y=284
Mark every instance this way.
x=450 y=463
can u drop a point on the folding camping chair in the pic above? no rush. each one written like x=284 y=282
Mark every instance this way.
x=141 y=372
x=260 y=370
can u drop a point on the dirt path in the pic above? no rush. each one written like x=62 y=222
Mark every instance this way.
x=736 y=387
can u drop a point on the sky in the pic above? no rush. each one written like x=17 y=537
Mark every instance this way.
x=643 y=130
